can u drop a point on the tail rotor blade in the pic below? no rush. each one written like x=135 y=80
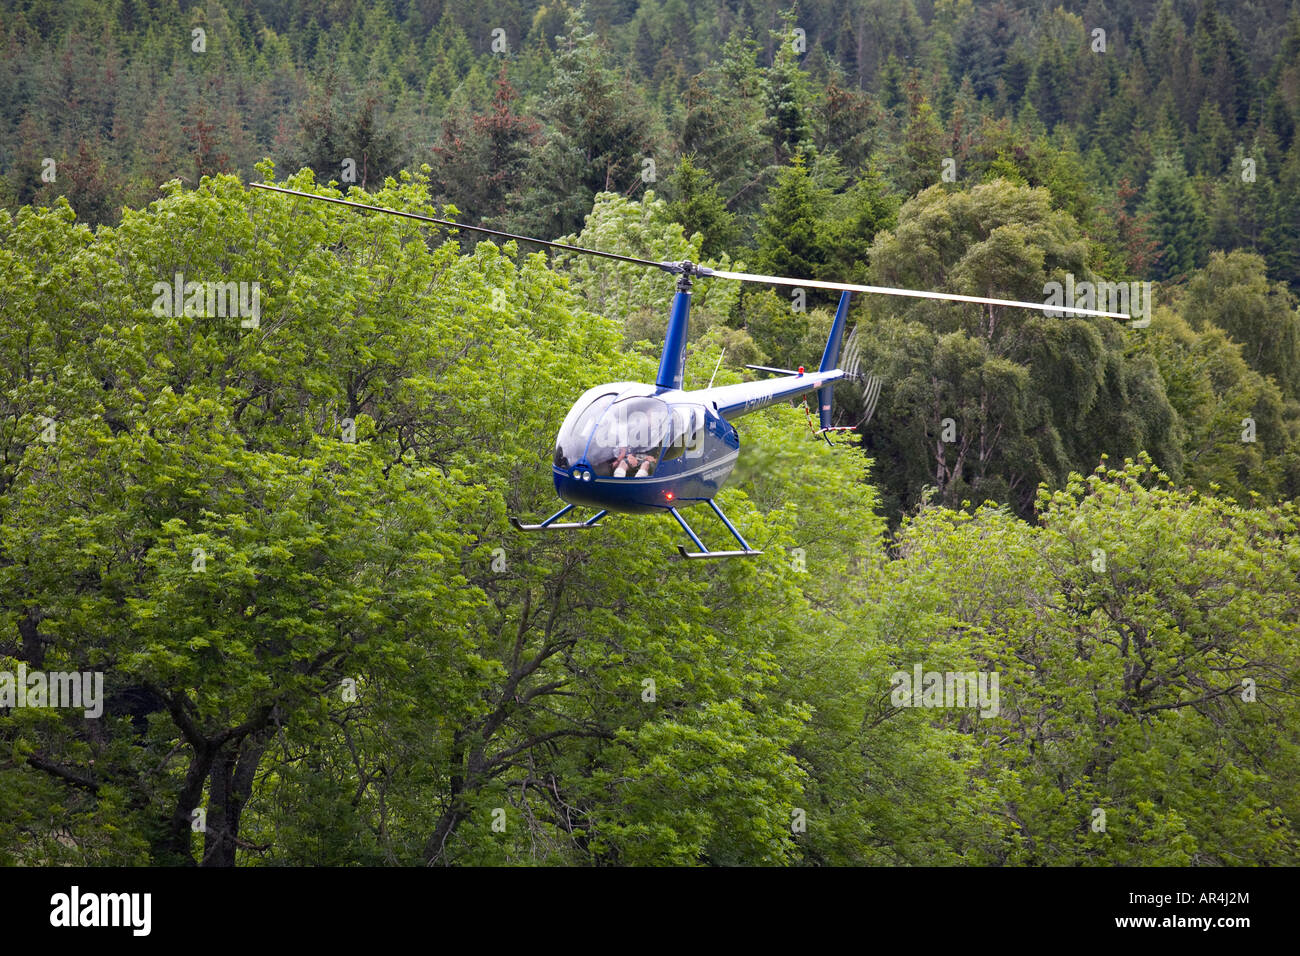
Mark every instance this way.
x=870 y=396
x=853 y=353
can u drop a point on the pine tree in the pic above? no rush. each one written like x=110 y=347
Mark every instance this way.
x=789 y=235
x=855 y=218
x=91 y=186
x=1242 y=204
x=722 y=124
x=1177 y=223
x=1213 y=141
x=917 y=159
x=1282 y=108
x=645 y=50
x=981 y=48
x=698 y=206
x=1051 y=89
x=373 y=143
x=1223 y=63
x=892 y=83
x=1281 y=243
x=787 y=100
x=599 y=133
x=849 y=120
x=1129 y=250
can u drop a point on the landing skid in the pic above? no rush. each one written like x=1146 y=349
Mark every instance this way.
x=704 y=552
x=554 y=524
x=549 y=523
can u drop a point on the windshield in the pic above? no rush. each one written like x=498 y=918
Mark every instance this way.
x=571 y=443
x=627 y=442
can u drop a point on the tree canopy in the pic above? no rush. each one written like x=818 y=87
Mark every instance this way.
x=1040 y=608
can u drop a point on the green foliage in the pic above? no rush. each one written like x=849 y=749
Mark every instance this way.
x=340 y=643
x=865 y=209
x=699 y=207
x=285 y=544
x=1221 y=402
x=985 y=402
x=1123 y=627
x=599 y=131
x=122 y=104
x=481 y=156
x=787 y=98
x=1233 y=293
x=1177 y=222
x=722 y=120
x=637 y=296
x=789 y=238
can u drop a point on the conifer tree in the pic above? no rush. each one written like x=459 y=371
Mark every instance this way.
x=698 y=206
x=1177 y=223
x=789 y=235
x=785 y=91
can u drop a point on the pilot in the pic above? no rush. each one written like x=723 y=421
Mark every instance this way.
x=625 y=461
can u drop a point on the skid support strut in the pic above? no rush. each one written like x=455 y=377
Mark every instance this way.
x=704 y=552
x=549 y=525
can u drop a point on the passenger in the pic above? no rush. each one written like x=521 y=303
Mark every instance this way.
x=641 y=465
x=622 y=461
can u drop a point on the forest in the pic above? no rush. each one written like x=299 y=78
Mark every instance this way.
x=281 y=536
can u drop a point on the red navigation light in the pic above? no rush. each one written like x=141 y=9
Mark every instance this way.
x=668 y=495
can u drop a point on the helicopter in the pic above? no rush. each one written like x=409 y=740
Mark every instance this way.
x=642 y=448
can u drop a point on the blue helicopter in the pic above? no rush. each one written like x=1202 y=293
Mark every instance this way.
x=637 y=448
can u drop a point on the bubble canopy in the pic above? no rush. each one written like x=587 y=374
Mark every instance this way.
x=624 y=433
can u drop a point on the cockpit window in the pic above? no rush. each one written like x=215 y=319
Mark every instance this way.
x=576 y=430
x=627 y=442
x=687 y=432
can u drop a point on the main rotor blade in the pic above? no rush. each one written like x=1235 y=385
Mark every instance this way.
x=677 y=268
x=911 y=293
x=666 y=266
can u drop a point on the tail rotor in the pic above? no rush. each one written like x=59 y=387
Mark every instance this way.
x=871 y=383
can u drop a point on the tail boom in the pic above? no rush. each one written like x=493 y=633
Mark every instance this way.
x=734 y=400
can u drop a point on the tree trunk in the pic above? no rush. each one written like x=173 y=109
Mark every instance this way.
x=454 y=813
x=177 y=844
x=229 y=787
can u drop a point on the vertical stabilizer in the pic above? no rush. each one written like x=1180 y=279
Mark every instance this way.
x=830 y=357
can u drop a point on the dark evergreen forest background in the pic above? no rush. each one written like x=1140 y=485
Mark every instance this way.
x=371 y=667
x=1171 y=141
x=1141 y=142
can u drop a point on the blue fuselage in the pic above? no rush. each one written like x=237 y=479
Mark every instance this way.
x=642 y=448
x=634 y=448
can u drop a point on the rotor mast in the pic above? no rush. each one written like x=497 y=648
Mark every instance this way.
x=673 y=362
